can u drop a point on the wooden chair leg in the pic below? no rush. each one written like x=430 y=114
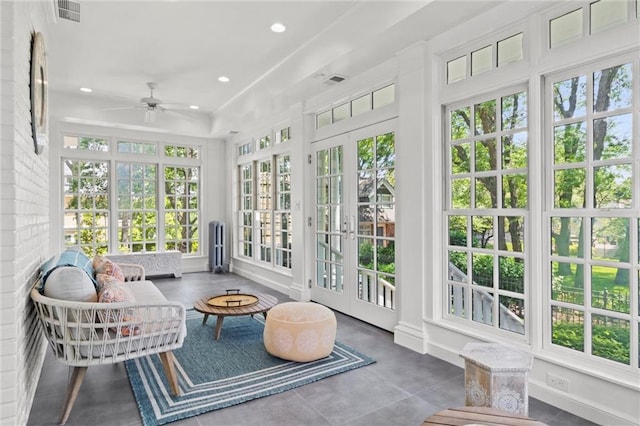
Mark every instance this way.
x=72 y=391
x=168 y=362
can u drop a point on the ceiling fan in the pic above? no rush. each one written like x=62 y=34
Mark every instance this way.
x=152 y=104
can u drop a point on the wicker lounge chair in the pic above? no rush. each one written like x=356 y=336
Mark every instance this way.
x=83 y=334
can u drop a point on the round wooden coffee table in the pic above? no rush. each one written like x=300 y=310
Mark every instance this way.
x=233 y=304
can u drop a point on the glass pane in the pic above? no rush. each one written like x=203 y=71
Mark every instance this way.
x=384 y=96
x=385 y=150
x=482 y=231
x=458 y=266
x=366 y=184
x=610 y=241
x=456 y=69
x=485 y=117
x=511 y=314
x=323 y=119
x=514 y=191
x=569 y=188
x=566 y=238
x=612 y=187
x=485 y=155
x=460 y=123
x=482 y=266
x=612 y=137
x=457 y=303
x=514 y=111
x=567 y=282
x=335 y=224
x=322 y=162
x=611 y=338
x=461 y=193
x=341 y=112
x=386 y=256
x=612 y=88
x=515 y=151
x=606 y=13
x=570 y=143
x=385 y=188
x=365 y=253
x=361 y=105
x=481 y=60
x=610 y=288
x=366 y=220
x=486 y=193
x=511 y=274
x=570 y=98
x=336 y=160
x=482 y=306
x=322 y=192
x=511 y=236
x=568 y=328
x=365 y=154
x=457 y=231
x=460 y=154
x=510 y=50
x=565 y=29
x=336 y=189
x=322 y=219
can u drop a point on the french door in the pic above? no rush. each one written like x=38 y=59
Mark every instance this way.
x=354 y=234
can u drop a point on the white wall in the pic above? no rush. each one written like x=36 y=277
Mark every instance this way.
x=24 y=212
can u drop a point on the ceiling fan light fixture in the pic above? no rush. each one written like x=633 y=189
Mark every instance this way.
x=86 y=89
x=150 y=115
x=194 y=107
x=223 y=79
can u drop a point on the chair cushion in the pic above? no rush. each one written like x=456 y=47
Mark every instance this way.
x=70 y=283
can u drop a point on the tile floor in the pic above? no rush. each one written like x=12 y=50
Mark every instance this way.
x=402 y=388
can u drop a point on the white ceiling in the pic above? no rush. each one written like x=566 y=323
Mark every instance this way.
x=184 y=46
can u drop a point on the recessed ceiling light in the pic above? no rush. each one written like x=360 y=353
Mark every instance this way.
x=194 y=107
x=278 y=28
x=223 y=79
x=86 y=90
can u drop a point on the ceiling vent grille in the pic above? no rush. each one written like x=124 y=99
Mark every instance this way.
x=69 y=10
x=334 y=79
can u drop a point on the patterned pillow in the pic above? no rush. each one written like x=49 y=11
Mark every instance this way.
x=117 y=291
x=104 y=280
x=102 y=265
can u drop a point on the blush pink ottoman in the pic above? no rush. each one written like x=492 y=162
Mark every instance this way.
x=300 y=331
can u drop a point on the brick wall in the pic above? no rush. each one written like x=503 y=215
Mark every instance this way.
x=24 y=211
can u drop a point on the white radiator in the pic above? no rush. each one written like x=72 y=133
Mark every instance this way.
x=164 y=263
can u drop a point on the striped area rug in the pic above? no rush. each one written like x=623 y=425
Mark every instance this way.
x=232 y=370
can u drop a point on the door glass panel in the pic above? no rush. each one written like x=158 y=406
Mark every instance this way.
x=376 y=220
x=329 y=219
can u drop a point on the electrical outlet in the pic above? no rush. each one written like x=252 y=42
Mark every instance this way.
x=558 y=382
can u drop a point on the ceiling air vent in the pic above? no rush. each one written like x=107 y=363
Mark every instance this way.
x=336 y=78
x=69 y=10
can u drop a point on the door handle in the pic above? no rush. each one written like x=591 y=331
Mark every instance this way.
x=352 y=227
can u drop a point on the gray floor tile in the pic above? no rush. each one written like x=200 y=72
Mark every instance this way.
x=402 y=388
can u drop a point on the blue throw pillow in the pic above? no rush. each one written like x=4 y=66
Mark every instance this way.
x=68 y=258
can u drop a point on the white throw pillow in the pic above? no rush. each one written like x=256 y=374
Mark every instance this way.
x=70 y=283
